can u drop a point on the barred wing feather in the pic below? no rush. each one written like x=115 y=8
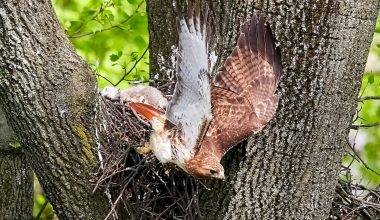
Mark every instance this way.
x=190 y=108
x=243 y=92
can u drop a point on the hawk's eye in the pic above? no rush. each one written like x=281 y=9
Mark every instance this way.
x=213 y=171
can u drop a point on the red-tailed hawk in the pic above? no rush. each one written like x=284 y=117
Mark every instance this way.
x=203 y=121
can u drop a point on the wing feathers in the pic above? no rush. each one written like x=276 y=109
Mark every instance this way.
x=190 y=107
x=254 y=61
x=260 y=38
x=266 y=109
x=251 y=30
x=243 y=92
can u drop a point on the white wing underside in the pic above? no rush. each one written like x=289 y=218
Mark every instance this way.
x=190 y=108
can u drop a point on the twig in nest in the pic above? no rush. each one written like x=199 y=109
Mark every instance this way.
x=138 y=183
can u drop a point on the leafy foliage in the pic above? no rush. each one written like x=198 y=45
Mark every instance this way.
x=111 y=35
x=41 y=209
x=366 y=141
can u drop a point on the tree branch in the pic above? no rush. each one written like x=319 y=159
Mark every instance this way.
x=132 y=68
x=368 y=98
x=49 y=95
x=356 y=127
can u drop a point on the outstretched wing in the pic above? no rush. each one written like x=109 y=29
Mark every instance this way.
x=243 y=92
x=190 y=108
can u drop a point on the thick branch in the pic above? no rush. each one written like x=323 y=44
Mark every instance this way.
x=16 y=179
x=49 y=95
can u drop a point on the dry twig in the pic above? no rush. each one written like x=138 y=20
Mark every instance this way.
x=139 y=184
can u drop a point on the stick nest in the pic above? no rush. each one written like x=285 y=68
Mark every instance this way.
x=353 y=200
x=138 y=185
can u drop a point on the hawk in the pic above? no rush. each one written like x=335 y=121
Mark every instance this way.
x=205 y=120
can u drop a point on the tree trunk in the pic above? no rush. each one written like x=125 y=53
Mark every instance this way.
x=49 y=96
x=16 y=179
x=290 y=169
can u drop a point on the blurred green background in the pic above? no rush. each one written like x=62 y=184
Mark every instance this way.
x=366 y=141
x=112 y=36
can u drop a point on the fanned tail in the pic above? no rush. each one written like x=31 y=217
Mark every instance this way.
x=147 y=111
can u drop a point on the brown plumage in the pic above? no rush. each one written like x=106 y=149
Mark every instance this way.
x=243 y=100
x=242 y=95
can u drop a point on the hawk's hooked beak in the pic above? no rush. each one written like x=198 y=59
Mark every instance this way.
x=217 y=174
x=220 y=176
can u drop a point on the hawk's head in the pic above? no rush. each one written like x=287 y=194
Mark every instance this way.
x=205 y=166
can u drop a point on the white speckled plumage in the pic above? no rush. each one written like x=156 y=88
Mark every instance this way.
x=190 y=108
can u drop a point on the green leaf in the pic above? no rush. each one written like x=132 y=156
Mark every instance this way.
x=107 y=15
x=133 y=2
x=134 y=56
x=94 y=26
x=110 y=17
x=117 y=2
x=139 y=23
x=140 y=42
x=74 y=25
x=371 y=79
x=87 y=15
x=114 y=57
x=15 y=145
x=378 y=112
x=101 y=49
x=377 y=29
x=137 y=77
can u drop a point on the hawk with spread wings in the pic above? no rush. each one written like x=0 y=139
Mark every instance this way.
x=204 y=120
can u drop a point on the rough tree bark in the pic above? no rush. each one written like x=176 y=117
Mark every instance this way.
x=16 y=179
x=49 y=96
x=290 y=169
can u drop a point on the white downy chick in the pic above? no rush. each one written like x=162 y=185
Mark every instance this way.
x=111 y=93
x=144 y=94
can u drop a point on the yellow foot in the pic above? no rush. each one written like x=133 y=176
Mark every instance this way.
x=146 y=149
x=168 y=167
x=167 y=172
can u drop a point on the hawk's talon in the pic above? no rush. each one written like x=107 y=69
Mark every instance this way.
x=167 y=172
x=168 y=168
